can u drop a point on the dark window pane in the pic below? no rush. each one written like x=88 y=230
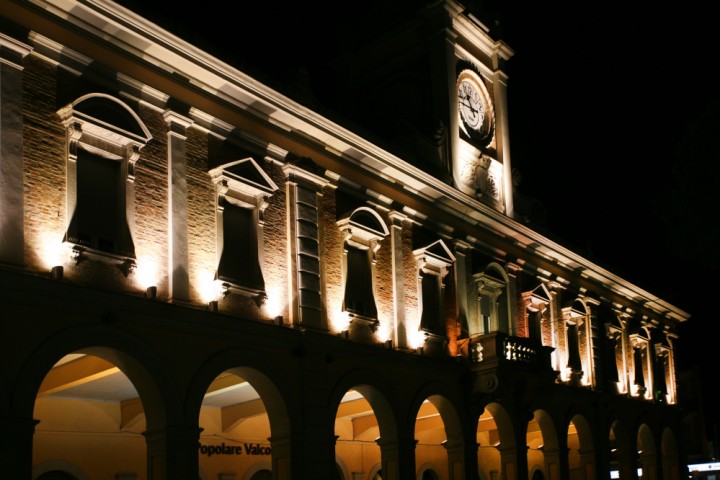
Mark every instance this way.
x=239 y=260
x=359 y=297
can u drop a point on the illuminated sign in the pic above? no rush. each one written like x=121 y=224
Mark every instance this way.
x=704 y=467
x=245 y=448
x=616 y=474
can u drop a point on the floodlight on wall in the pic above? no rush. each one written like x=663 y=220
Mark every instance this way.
x=56 y=272
x=213 y=305
x=279 y=320
x=151 y=292
x=389 y=343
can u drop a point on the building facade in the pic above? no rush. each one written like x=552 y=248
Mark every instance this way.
x=203 y=276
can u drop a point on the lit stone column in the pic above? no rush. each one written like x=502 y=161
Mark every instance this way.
x=501 y=132
x=512 y=271
x=16 y=445
x=172 y=452
x=178 y=278
x=397 y=458
x=513 y=462
x=587 y=464
x=304 y=190
x=12 y=227
x=313 y=450
x=554 y=465
x=593 y=370
x=398 y=272
x=281 y=458
x=463 y=267
x=627 y=465
x=457 y=459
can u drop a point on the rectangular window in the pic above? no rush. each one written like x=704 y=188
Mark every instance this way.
x=99 y=221
x=239 y=260
x=359 y=298
x=431 y=316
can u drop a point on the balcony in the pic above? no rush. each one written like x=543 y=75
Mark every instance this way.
x=493 y=354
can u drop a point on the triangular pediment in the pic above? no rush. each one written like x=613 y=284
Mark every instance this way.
x=441 y=251
x=244 y=173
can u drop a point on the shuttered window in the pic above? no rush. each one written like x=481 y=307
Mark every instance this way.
x=430 y=320
x=239 y=259
x=359 y=298
x=99 y=221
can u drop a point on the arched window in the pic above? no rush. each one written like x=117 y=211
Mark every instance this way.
x=363 y=230
x=104 y=139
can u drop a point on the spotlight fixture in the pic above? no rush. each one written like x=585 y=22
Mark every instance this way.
x=151 y=292
x=56 y=272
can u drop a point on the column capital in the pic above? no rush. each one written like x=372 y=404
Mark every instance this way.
x=177 y=123
x=294 y=173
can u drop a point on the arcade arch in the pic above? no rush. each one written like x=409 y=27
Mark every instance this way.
x=91 y=416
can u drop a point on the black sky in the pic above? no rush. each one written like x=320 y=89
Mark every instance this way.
x=599 y=96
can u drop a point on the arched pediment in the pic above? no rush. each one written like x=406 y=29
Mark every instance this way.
x=103 y=113
x=370 y=220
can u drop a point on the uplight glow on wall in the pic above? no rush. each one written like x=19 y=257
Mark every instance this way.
x=208 y=288
x=275 y=302
x=54 y=251
x=340 y=322
x=146 y=273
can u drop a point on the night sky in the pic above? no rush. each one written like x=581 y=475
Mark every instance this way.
x=601 y=98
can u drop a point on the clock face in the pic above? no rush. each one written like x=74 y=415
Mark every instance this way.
x=474 y=107
x=470 y=104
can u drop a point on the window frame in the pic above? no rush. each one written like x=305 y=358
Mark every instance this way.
x=236 y=188
x=105 y=128
x=436 y=260
x=364 y=230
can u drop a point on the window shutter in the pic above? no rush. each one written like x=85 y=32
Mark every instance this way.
x=239 y=260
x=430 y=320
x=97 y=213
x=359 y=298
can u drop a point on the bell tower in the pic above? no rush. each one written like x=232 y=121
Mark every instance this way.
x=431 y=89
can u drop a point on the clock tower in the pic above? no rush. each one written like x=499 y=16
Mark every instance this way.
x=446 y=115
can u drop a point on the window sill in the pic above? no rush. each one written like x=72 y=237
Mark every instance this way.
x=258 y=296
x=124 y=263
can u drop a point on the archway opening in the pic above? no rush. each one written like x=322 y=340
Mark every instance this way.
x=235 y=430
x=357 y=432
x=488 y=439
x=431 y=439
x=90 y=417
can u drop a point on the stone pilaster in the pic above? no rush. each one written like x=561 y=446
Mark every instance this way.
x=12 y=213
x=179 y=280
x=172 y=452
x=304 y=190
x=399 y=326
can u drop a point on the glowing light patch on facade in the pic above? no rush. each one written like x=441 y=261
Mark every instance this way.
x=208 y=288
x=383 y=332
x=53 y=251
x=275 y=303
x=416 y=338
x=146 y=273
x=340 y=322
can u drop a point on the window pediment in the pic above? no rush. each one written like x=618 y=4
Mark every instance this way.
x=363 y=228
x=106 y=118
x=436 y=258
x=243 y=176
